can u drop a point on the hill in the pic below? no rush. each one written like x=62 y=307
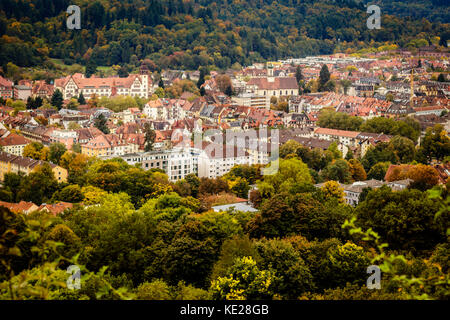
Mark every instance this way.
x=192 y=33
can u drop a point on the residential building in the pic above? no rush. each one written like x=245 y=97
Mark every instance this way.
x=13 y=144
x=216 y=160
x=155 y=110
x=106 y=145
x=345 y=139
x=6 y=88
x=12 y=163
x=22 y=92
x=21 y=207
x=135 y=85
x=177 y=163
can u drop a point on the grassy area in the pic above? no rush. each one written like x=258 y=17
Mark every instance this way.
x=70 y=69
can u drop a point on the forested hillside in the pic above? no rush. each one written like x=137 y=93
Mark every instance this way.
x=191 y=33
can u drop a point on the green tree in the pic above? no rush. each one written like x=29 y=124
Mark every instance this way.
x=245 y=282
x=348 y=264
x=239 y=187
x=298 y=74
x=324 y=77
x=56 y=151
x=100 y=123
x=81 y=99
x=435 y=144
x=378 y=171
x=338 y=170
x=122 y=72
x=404 y=219
x=155 y=290
x=72 y=193
x=57 y=99
x=201 y=78
x=403 y=148
x=34 y=150
x=150 y=136
x=91 y=68
x=292 y=275
x=332 y=189
x=39 y=185
x=290 y=171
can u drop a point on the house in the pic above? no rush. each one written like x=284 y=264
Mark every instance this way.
x=12 y=163
x=352 y=192
x=249 y=99
x=240 y=206
x=13 y=144
x=42 y=89
x=55 y=208
x=436 y=110
x=105 y=145
x=155 y=110
x=22 y=92
x=21 y=207
x=6 y=88
x=368 y=139
x=346 y=139
x=37 y=133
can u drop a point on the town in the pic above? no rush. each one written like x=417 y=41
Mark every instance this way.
x=276 y=179
x=318 y=102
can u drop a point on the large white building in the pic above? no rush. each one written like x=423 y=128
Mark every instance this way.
x=177 y=163
x=135 y=85
x=216 y=160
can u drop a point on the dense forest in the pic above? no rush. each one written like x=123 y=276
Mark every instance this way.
x=192 y=33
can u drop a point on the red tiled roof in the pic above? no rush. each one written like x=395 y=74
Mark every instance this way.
x=56 y=208
x=334 y=132
x=13 y=139
x=278 y=83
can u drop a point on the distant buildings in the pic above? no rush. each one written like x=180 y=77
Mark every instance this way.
x=12 y=163
x=106 y=145
x=353 y=191
x=177 y=163
x=6 y=88
x=28 y=207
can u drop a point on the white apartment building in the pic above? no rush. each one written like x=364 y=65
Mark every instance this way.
x=155 y=110
x=249 y=99
x=177 y=163
x=216 y=160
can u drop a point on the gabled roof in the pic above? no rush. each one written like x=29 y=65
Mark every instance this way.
x=13 y=139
